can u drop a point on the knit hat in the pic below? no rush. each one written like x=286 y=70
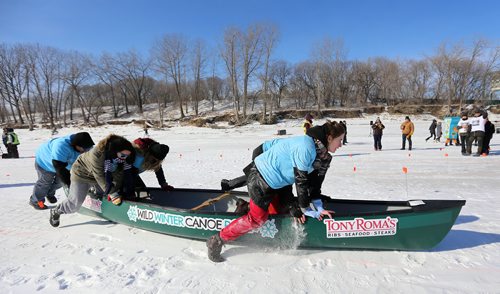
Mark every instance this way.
x=407 y=117
x=308 y=117
x=83 y=140
x=159 y=151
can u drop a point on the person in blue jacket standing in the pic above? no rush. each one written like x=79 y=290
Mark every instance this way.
x=286 y=162
x=53 y=161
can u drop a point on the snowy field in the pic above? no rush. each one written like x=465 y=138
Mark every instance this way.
x=87 y=255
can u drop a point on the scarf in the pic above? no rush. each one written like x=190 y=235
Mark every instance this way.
x=323 y=158
x=110 y=165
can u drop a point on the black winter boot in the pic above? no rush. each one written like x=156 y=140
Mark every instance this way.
x=214 y=245
x=54 y=217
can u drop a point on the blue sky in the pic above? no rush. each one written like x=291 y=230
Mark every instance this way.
x=405 y=29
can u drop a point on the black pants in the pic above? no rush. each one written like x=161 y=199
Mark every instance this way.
x=486 y=144
x=377 y=141
x=464 y=139
x=433 y=133
x=12 y=151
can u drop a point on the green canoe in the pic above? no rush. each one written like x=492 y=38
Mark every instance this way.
x=362 y=224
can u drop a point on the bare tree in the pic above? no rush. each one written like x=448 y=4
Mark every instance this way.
x=280 y=76
x=103 y=70
x=76 y=75
x=132 y=70
x=229 y=54
x=269 y=40
x=13 y=78
x=364 y=81
x=252 y=51
x=170 y=55
x=416 y=84
x=199 y=58
x=304 y=86
x=46 y=71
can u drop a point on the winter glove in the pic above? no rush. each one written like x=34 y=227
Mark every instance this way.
x=115 y=198
x=167 y=187
x=295 y=211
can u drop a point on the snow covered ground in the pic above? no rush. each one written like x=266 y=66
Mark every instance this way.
x=87 y=255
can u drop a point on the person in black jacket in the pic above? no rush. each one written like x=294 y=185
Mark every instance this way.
x=378 y=130
x=489 y=130
x=432 y=130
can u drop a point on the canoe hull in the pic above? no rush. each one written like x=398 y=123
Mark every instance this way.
x=361 y=225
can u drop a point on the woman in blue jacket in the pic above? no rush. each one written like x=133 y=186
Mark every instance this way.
x=286 y=162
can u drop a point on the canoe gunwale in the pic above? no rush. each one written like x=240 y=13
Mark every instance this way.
x=429 y=206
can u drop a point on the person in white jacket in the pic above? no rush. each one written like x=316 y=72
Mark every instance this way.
x=477 y=130
x=464 y=132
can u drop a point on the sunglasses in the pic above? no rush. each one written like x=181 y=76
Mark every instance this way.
x=122 y=155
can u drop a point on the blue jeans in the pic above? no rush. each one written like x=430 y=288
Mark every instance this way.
x=404 y=141
x=46 y=185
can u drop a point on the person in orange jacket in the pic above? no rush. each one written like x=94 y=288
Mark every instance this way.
x=407 y=129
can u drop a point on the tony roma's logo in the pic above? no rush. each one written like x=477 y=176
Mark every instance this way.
x=360 y=227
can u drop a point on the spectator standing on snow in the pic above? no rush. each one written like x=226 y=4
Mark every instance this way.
x=464 y=133
x=107 y=166
x=432 y=130
x=308 y=122
x=439 y=132
x=12 y=142
x=489 y=130
x=477 y=130
x=53 y=161
x=378 y=129
x=407 y=129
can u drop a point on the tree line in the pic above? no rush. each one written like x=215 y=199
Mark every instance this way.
x=242 y=69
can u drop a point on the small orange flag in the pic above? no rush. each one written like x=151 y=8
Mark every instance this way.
x=405 y=169
x=354 y=169
x=446 y=154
